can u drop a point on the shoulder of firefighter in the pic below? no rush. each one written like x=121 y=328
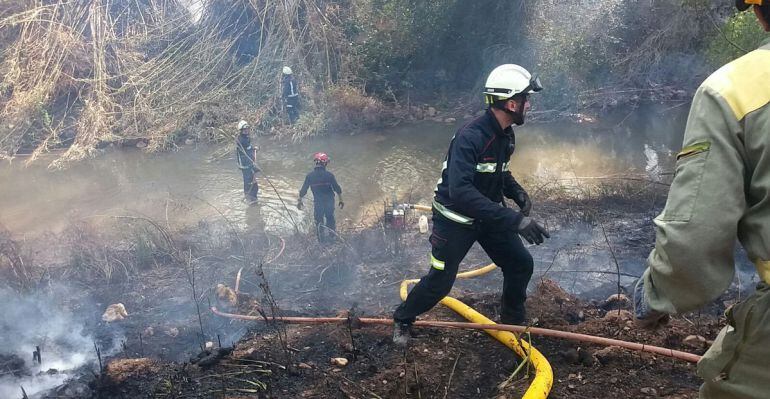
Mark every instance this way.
x=322 y=182
x=290 y=88
x=475 y=175
x=244 y=152
x=720 y=191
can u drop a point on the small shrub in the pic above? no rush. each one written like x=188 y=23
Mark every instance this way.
x=741 y=30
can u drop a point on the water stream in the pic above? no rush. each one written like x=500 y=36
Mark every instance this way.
x=200 y=182
x=370 y=166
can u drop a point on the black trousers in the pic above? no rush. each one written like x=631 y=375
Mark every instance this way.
x=292 y=108
x=250 y=186
x=326 y=225
x=450 y=242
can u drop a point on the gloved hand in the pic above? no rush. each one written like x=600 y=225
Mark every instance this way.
x=646 y=317
x=524 y=203
x=300 y=205
x=341 y=204
x=531 y=231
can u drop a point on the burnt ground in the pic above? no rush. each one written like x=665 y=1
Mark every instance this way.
x=158 y=346
x=437 y=364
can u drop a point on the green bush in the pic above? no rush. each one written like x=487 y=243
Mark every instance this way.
x=740 y=34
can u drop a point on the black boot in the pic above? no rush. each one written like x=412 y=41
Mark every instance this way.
x=516 y=316
x=402 y=332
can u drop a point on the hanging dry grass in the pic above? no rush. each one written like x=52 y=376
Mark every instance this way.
x=83 y=74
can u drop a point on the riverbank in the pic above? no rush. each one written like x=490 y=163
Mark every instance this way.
x=155 y=269
x=160 y=74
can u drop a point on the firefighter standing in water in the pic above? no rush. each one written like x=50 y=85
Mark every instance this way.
x=246 y=155
x=290 y=95
x=720 y=192
x=469 y=207
x=324 y=185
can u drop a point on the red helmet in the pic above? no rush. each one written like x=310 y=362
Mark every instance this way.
x=321 y=157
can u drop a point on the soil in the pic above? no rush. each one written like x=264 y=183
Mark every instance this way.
x=172 y=347
x=437 y=364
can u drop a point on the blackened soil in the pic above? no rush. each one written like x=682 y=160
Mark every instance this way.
x=438 y=363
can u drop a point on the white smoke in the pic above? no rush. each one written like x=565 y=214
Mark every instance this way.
x=652 y=167
x=195 y=7
x=40 y=319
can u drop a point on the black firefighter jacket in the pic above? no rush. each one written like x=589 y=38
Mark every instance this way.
x=323 y=184
x=475 y=175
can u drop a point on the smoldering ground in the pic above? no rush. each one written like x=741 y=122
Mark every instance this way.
x=48 y=322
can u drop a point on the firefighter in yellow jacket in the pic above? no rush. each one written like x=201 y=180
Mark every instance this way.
x=720 y=192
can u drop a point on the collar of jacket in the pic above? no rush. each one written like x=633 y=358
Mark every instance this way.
x=494 y=125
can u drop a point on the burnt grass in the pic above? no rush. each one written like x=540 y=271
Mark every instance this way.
x=163 y=339
x=437 y=363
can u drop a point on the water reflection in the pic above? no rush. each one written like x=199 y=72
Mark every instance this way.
x=405 y=161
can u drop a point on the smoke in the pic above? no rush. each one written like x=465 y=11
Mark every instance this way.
x=41 y=319
x=653 y=167
x=195 y=7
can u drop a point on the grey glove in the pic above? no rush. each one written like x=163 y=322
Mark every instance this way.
x=646 y=317
x=300 y=205
x=532 y=231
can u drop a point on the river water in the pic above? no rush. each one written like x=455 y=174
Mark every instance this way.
x=199 y=181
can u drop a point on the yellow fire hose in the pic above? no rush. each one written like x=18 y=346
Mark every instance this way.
x=541 y=385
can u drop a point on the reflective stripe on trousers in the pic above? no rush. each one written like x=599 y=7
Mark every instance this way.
x=435 y=263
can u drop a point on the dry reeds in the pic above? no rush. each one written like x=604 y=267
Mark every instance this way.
x=13 y=266
x=83 y=74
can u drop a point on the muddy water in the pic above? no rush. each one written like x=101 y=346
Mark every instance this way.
x=202 y=181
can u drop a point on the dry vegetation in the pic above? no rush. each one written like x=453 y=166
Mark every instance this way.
x=79 y=75
x=93 y=72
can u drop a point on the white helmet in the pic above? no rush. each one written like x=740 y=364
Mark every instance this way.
x=507 y=80
x=286 y=70
x=243 y=125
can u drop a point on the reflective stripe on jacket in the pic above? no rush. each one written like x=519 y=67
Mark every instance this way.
x=322 y=183
x=475 y=173
x=244 y=152
x=290 y=91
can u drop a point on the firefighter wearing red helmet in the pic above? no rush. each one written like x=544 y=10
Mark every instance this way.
x=323 y=184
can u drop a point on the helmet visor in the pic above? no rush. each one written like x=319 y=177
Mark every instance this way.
x=534 y=85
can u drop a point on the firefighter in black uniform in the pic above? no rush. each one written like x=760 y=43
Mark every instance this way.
x=290 y=95
x=468 y=205
x=246 y=155
x=324 y=185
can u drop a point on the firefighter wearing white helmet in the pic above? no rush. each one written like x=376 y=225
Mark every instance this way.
x=469 y=205
x=720 y=194
x=290 y=95
x=246 y=155
x=511 y=82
